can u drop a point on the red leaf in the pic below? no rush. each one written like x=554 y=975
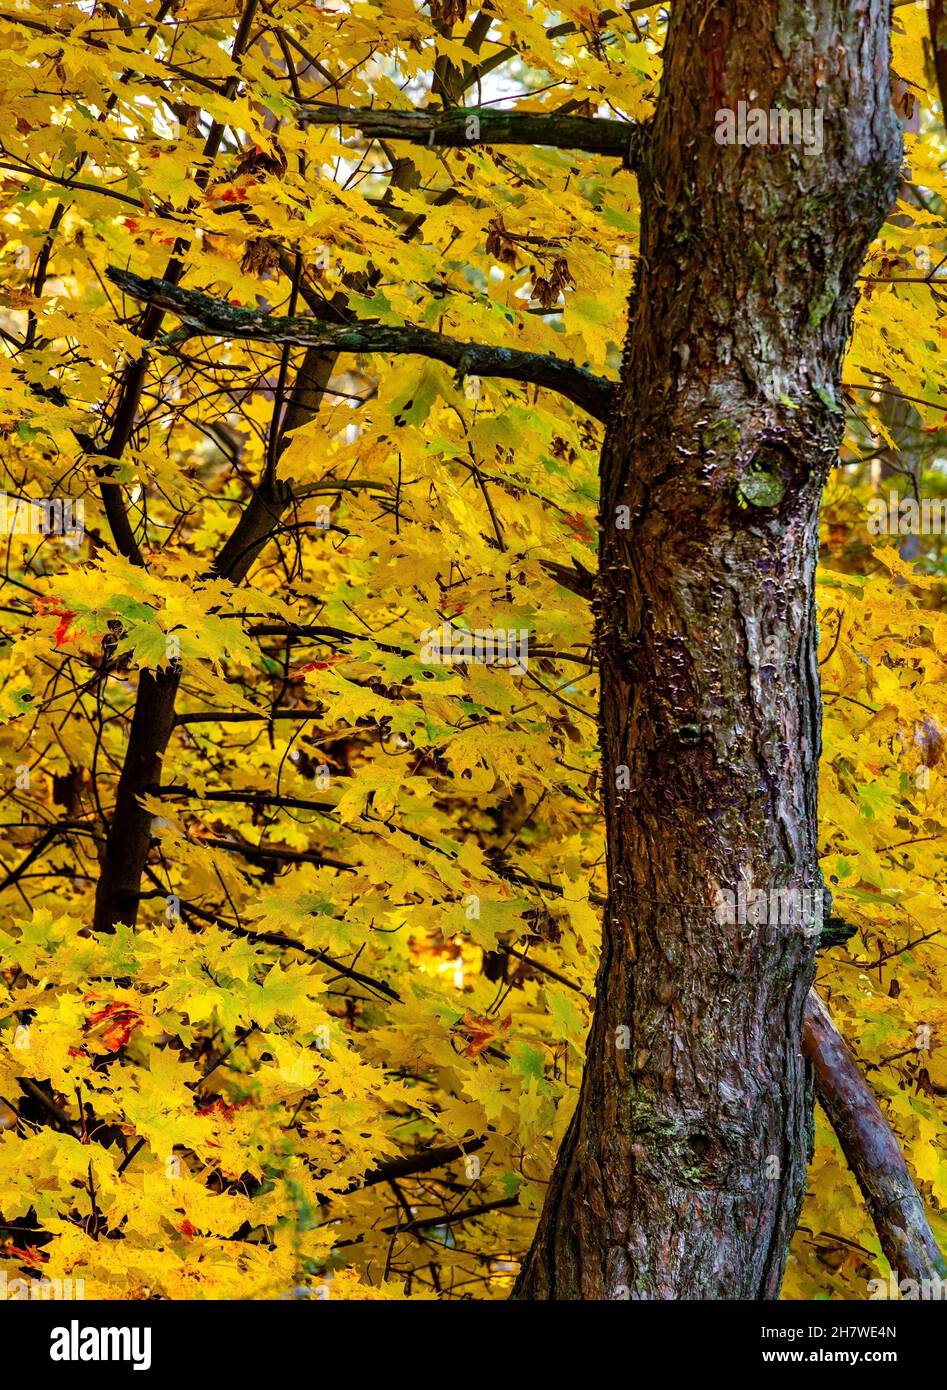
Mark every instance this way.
x=62 y=633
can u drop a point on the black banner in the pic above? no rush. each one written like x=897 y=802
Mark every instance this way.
x=307 y=1337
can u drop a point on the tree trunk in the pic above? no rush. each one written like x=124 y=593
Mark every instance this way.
x=129 y=836
x=128 y=843
x=683 y=1170
x=872 y=1151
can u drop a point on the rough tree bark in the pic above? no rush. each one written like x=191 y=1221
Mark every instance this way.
x=682 y=1173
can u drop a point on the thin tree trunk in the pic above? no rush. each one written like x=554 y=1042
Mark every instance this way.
x=872 y=1151
x=129 y=836
x=128 y=843
x=683 y=1170
x=937 y=24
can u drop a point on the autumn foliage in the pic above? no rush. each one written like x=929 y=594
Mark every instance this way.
x=368 y=926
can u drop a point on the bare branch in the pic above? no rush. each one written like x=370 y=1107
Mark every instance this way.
x=451 y=1218
x=218 y=716
x=204 y=315
x=872 y=1151
x=484 y=125
x=409 y=1165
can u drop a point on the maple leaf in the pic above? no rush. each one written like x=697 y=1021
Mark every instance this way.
x=481 y=1031
x=115 y=1023
x=64 y=631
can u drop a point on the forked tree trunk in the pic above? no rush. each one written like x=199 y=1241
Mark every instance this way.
x=118 y=891
x=682 y=1173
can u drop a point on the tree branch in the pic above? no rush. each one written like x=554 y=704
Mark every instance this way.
x=484 y=125
x=409 y=1165
x=284 y=943
x=450 y=1218
x=219 y=716
x=871 y=1149
x=129 y=837
x=246 y=798
x=204 y=315
x=291 y=856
